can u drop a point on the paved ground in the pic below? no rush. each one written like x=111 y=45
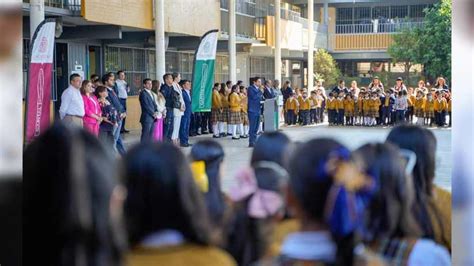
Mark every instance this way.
x=238 y=154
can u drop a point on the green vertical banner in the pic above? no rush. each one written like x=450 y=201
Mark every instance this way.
x=203 y=72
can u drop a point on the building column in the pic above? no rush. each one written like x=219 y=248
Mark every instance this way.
x=160 y=54
x=36 y=15
x=232 y=43
x=278 y=40
x=310 y=45
x=326 y=13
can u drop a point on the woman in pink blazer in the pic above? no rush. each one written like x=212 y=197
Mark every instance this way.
x=93 y=112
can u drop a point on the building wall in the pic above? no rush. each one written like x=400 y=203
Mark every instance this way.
x=192 y=17
x=132 y=13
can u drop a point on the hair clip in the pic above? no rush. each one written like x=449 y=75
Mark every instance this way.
x=198 y=168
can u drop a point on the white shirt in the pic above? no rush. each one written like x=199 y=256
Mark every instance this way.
x=71 y=103
x=178 y=112
x=427 y=252
x=122 y=88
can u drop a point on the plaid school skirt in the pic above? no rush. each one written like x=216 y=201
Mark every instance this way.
x=235 y=118
x=224 y=116
x=429 y=114
x=419 y=112
x=348 y=113
x=245 y=118
x=215 y=116
x=373 y=113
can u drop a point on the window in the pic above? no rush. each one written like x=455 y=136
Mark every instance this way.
x=344 y=16
x=362 y=15
x=399 y=12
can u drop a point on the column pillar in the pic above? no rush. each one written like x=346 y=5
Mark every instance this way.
x=310 y=45
x=232 y=43
x=36 y=15
x=278 y=40
x=326 y=13
x=160 y=39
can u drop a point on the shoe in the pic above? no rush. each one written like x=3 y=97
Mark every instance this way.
x=235 y=138
x=216 y=137
x=223 y=134
x=198 y=134
x=125 y=131
x=251 y=145
x=204 y=133
x=229 y=134
x=244 y=137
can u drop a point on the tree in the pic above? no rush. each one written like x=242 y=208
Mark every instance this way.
x=435 y=40
x=325 y=67
x=406 y=49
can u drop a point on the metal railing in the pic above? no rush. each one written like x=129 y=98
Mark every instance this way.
x=72 y=5
x=246 y=7
x=375 y=27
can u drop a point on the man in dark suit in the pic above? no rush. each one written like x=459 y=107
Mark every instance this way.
x=168 y=91
x=109 y=81
x=186 y=119
x=254 y=97
x=268 y=91
x=149 y=110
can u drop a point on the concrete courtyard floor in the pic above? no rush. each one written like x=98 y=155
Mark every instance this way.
x=237 y=153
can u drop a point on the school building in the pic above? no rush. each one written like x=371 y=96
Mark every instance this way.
x=96 y=36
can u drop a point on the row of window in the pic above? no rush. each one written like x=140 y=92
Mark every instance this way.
x=364 y=15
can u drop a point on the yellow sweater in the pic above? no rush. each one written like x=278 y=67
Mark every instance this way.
x=331 y=104
x=224 y=100
x=420 y=103
x=349 y=105
x=366 y=105
x=291 y=104
x=244 y=103
x=429 y=106
x=450 y=105
x=375 y=104
x=440 y=106
x=305 y=104
x=441 y=200
x=235 y=103
x=183 y=255
x=339 y=104
x=216 y=100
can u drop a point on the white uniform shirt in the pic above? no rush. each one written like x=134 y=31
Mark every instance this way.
x=122 y=88
x=71 y=103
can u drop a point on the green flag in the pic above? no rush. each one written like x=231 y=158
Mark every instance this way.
x=203 y=72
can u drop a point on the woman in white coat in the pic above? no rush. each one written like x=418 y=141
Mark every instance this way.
x=177 y=112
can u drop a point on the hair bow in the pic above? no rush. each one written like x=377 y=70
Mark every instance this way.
x=198 y=169
x=262 y=203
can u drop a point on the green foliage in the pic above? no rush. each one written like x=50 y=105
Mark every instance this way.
x=325 y=67
x=429 y=45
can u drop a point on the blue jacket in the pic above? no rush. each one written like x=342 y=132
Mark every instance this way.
x=114 y=100
x=254 y=98
x=268 y=93
x=187 y=103
x=148 y=106
x=167 y=92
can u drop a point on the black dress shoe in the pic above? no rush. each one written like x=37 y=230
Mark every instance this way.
x=125 y=131
x=235 y=138
x=216 y=137
x=204 y=133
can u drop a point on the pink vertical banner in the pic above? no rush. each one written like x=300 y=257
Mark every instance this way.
x=39 y=80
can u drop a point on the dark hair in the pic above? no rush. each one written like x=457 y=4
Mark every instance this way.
x=254 y=79
x=183 y=81
x=162 y=194
x=234 y=89
x=330 y=94
x=120 y=71
x=99 y=90
x=212 y=154
x=73 y=76
x=216 y=85
x=228 y=82
x=341 y=81
x=94 y=78
x=106 y=77
x=249 y=237
x=68 y=203
x=223 y=89
x=271 y=146
x=242 y=88
x=167 y=75
x=423 y=143
x=175 y=75
x=268 y=82
x=146 y=80
x=389 y=213
x=312 y=190
x=239 y=82
x=155 y=86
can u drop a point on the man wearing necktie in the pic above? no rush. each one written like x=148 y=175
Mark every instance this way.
x=254 y=97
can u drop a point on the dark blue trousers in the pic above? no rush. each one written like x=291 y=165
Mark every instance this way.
x=124 y=104
x=184 y=128
x=168 y=124
x=147 y=132
x=253 y=127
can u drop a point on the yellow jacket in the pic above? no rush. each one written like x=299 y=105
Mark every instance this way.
x=360 y=104
x=339 y=104
x=291 y=104
x=420 y=103
x=224 y=100
x=439 y=211
x=450 y=105
x=331 y=104
x=305 y=104
x=366 y=105
x=429 y=105
x=185 y=254
x=244 y=103
x=235 y=102
x=411 y=100
x=375 y=104
x=349 y=105
x=440 y=106
x=216 y=100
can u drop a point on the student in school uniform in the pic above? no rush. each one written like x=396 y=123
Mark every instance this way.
x=167 y=219
x=331 y=107
x=299 y=97
x=304 y=110
x=235 y=109
x=244 y=113
x=291 y=107
x=381 y=95
x=216 y=110
x=375 y=107
x=340 y=109
x=411 y=98
x=319 y=106
x=359 y=107
x=349 y=109
x=419 y=107
x=450 y=100
x=366 y=104
x=224 y=115
x=312 y=112
x=440 y=108
x=429 y=110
